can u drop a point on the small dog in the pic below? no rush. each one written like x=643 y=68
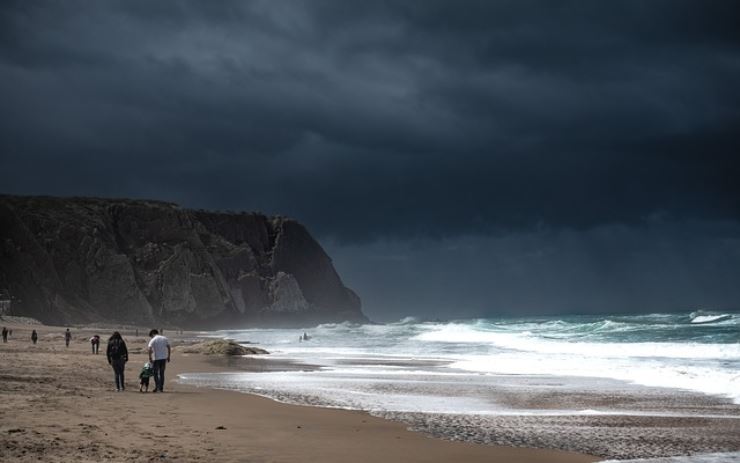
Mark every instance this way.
x=146 y=373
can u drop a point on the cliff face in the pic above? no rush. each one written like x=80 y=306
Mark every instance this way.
x=70 y=260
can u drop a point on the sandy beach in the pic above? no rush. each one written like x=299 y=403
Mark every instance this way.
x=372 y=231
x=58 y=404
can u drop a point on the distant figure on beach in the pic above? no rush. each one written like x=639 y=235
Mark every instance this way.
x=117 y=357
x=34 y=336
x=95 y=343
x=305 y=336
x=146 y=373
x=159 y=355
x=67 y=337
x=5 y=334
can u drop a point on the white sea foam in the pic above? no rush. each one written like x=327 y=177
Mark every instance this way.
x=657 y=350
x=526 y=342
x=708 y=380
x=710 y=318
x=354 y=390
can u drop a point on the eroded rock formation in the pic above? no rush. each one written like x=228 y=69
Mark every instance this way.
x=76 y=260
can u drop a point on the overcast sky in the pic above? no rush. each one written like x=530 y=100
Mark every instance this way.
x=456 y=158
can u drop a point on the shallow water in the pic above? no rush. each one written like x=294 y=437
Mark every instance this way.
x=697 y=351
x=571 y=377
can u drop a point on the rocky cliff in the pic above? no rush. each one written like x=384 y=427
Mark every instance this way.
x=78 y=260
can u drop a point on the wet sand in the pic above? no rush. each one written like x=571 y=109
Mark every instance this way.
x=58 y=404
x=602 y=417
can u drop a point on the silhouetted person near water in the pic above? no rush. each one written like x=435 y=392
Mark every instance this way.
x=159 y=355
x=67 y=337
x=34 y=336
x=117 y=358
x=5 y=334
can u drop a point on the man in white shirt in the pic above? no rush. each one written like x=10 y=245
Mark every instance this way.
x=159 y=355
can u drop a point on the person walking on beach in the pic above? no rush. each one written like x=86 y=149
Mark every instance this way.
x=146 y=373
x=117 y=358
x=95 y=343
x=5 y=334
x=67 y=337
x=159 y=355
x=34 y=337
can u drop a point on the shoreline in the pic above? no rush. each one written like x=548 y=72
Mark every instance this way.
x=668 y=423
x=58 y=405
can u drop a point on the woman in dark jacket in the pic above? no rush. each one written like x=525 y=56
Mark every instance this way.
x=117 y=358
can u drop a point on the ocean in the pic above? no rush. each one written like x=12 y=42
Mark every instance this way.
x=475 y=373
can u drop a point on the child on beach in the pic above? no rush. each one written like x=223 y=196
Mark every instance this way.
x=146 y=373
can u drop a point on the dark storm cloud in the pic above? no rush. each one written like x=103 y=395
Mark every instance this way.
x=658 y=267
x=380 y=119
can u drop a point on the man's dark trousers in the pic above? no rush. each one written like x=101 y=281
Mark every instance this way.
x=159 y=366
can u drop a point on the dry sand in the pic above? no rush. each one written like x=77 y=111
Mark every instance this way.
x=59 y=405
